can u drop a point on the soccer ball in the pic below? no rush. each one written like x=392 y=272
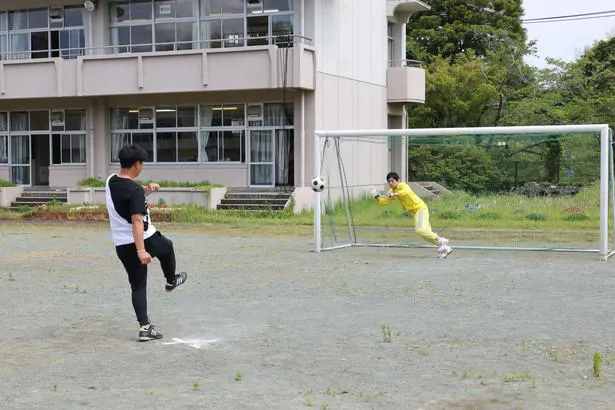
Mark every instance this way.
x=318 y=184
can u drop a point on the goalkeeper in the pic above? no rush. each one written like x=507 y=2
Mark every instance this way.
x=411 y=202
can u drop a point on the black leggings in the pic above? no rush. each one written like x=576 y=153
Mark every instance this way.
x=158 y=246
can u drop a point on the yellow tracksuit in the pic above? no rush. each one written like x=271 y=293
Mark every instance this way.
x=415 y=205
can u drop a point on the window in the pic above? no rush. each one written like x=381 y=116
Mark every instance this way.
x=67 y=136
x=206 y=133
x=4 y=138
x=42 y=33
x=153 y=25
x=171 y=134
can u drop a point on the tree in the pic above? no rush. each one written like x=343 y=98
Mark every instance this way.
x=453 y=27
x=460 y=94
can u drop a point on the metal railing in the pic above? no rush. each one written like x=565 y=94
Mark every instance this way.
x=281 y=41
x=406 y=63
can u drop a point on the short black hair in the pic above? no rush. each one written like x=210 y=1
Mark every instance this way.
x=130 y=155
x=393 y=175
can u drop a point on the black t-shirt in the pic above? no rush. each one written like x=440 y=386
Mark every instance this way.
x=129 y=199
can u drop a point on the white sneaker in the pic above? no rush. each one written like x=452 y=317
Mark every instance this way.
x=444 y=251
x=442 y=243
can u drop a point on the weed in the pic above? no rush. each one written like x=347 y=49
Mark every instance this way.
x=11 y=277
x=196 y=386
x=238 y=376
x=597 y=364
x=516 y=377
x=425 y=351
x=386 y=333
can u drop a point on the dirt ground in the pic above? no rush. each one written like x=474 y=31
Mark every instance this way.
x=264 y=323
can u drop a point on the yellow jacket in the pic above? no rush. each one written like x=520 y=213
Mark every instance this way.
x=409 y=200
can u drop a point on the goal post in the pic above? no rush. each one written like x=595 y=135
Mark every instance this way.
x=489 y=173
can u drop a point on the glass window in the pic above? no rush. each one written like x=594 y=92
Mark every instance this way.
x=140 y=10
x=19 y=121
x=278 y=5
x=4 y=149
x=279 y=114
x=120 y=36
x=231 y=143
x=211 y=33
x=39 y=120
x=77 y=142
x=185 y=36
x=117 y=142
x=165 y=147
x=74 y=120
x=186 y=116
x=66 y=148
x=165 y=36
x=209 y=146
x=119 y=12
x=56 y=148
x=164 y=9
x=233 y=6
x=187 y=147
x=166 y=117
x=141 y=38
x=73 y=16
x=4 y=121
x=282 y=29
x=125 y=119
x=211 y=7
x=3 y=21
x=185 y=8
x=146 y=117
x=38 y=18
x=211 y=116
x=258 y=30
x=145 y=141
x=233 y=115
x=18 y=20
x=232 y=32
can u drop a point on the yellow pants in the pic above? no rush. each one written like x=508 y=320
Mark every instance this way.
x=423 y=228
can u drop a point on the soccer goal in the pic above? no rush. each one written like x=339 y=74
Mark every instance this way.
x=518 y=188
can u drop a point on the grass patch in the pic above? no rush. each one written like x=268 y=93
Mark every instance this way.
x=6 y=184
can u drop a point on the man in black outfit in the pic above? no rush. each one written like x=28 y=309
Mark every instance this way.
x=136 y=240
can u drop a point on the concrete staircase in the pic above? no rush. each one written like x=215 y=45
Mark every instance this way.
x=34 y=197
x=247 y=199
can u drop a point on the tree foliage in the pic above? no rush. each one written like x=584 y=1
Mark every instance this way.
x=453 y=27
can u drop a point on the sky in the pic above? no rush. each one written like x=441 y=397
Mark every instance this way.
x=566 y=40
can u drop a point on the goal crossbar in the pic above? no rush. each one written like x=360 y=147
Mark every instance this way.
x=607 y=173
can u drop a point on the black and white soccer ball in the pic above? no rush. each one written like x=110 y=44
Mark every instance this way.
x=318 y=184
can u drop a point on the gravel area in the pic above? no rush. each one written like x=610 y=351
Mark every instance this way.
x=264 y=323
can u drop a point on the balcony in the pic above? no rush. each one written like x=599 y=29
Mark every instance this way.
x=399 y=11
x=406 y=82
x=220 y=69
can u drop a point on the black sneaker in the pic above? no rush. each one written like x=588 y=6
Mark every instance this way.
x=149 y=334
x=179 y=279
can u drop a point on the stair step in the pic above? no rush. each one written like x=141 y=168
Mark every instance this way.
x=39 y=194
x=40 y=199
x=262 y=207
x=247 y=201
x=241 y=195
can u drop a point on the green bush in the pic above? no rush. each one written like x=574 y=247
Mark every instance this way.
x=6 y=184
x=99 y=183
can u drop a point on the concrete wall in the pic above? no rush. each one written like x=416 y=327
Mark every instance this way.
x=170 y=196
x=5 y=172
x=8 y=195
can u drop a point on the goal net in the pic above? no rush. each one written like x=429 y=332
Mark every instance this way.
x=518 y=188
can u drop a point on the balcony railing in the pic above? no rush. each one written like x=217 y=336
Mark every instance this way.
x=406 y=63
x=281 y=41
